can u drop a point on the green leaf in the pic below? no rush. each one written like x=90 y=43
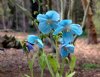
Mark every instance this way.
x=49 y=66
x=24 y=46
x=72 y=63
x=55 y=37
x=54 y=63
x=31 y=62
x=26 y=75
x=71 y=74
x=57 y=74
x=42 y=61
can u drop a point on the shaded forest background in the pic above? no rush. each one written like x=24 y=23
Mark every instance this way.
x=12 y=17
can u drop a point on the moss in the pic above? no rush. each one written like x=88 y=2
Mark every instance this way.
x=89 y=66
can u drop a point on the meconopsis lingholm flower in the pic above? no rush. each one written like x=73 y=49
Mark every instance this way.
x=31 y=40
x=66 y=49
x=48 y=21
x=68 y=29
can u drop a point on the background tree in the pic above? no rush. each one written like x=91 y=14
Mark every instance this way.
x=92 y=35
x=14 y=18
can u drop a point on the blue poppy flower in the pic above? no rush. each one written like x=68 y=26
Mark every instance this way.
x=69 y=30
x=29 y=46
x=32 y=39
x=48 y=21
x=66 y=49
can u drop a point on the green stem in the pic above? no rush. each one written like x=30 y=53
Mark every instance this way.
x=49 y=66
x=62 y=66
x=51 y=42
x=31 y=71
x=55 y=46
x=57 y=53
x=42 y=73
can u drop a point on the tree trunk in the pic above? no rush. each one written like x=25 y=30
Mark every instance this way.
x=92 y=35
x=23 y=17
x=70 y=9
x=16 y=20
x=3 y=22
x=4 y=14
x=49 y=3
x=44 y=6
x=27 y=5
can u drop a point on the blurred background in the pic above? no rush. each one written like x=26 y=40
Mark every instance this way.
x=18 y=19
x=16 y=14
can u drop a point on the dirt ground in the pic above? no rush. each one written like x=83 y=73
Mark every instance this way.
x=13 y=61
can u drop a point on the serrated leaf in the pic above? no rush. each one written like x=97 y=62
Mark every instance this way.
x=42 y=61
x=72 y=63
x=71 y=74
x=54 y=63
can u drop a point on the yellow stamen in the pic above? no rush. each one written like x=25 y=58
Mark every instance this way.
x=49 y=21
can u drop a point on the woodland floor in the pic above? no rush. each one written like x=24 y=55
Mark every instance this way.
x=87 y=65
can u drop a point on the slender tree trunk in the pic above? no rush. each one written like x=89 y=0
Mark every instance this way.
x=70 y=9
x=23 y=17
x=66 y=8
x=3 y=22
x=56 y=5
x=16 y=18
x=27 y=5
x=49 y=2
x=62 y=9
x=92 y=35
x=4 y=14
x=44 y=5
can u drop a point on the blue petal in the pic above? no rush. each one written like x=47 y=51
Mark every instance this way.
x=67 y=37
x=54 y=25
x=65 y=23
x=76 y=29
x=31 y=38
x=53 y=15
x=40 y=44
x=59 y=29
x=63 y=53
x=66 y=49
x=41 y=17
x=44 y=28
x=70 y=48
x=29 y=46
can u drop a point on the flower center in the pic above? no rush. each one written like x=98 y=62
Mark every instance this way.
x=65 y=48
x=67 y=28
x=36 y=42
x=49 y=21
